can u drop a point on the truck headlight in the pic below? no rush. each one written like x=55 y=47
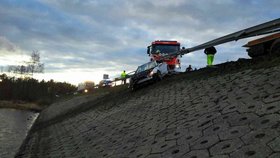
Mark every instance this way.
x=177 y=66
x=151 y=73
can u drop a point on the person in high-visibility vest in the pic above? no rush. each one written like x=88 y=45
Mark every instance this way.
x=210 y=52
x=123 y=76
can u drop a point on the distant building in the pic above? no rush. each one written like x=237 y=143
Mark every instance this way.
x=85 y=87
x=105 y=76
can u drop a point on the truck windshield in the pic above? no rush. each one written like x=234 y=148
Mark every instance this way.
x=165 y=49
x=146 y=66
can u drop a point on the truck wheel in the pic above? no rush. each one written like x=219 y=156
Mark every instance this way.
x=275 y=48
x=256 y=51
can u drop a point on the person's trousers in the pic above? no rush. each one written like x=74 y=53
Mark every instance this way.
x=210 y=59
x=124 y=81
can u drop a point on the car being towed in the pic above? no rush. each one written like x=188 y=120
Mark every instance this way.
x=151 y=71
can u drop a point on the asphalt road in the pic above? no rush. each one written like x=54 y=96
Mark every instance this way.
x=231 y=115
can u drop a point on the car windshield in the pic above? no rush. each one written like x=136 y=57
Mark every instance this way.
x=165 y=49
x=146 y=66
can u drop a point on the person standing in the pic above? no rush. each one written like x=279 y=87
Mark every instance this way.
x=123 y=77
x=210 y=52
x=188 y=69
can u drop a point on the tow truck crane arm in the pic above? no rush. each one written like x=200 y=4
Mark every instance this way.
x=261 y=29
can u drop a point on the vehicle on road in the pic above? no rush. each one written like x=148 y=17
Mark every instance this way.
x=151 y=71
x=85 y=87
x=105 y=83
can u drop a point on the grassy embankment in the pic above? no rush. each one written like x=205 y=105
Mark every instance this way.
x=20 y=105
x=37 y=107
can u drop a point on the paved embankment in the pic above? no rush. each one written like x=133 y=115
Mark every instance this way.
x=230 y=115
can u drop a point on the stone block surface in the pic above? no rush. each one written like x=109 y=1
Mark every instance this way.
x=233 y=115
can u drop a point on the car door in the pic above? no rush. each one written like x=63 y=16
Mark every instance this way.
x=162 y=67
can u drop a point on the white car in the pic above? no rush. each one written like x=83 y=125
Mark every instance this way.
x=151 y=71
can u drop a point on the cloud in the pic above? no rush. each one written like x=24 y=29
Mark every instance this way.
x=7 y=45
x=113 y=35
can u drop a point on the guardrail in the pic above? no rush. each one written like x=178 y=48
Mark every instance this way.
x=128 y=75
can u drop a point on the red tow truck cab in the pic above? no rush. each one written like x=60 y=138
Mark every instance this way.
x=160 y=48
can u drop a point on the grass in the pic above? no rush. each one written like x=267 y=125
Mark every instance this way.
x=20 y=105
x=45 y=102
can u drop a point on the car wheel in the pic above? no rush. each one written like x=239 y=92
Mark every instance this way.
x=158 y=76
x=134 y=87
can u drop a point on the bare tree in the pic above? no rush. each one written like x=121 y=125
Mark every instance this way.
x=32 y=66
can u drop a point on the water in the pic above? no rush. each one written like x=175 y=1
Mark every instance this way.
x=14 y=125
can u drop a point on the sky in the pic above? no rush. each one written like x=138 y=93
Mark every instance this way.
x=81 y=40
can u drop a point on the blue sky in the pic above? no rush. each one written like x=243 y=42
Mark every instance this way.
x=82 y=39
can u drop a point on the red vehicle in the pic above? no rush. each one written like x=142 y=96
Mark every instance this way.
x=158 y=49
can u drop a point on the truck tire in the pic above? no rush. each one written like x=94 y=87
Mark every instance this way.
x=256 y=50
x=275 y=47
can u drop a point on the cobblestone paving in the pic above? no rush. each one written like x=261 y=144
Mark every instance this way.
x=59 y=108
x=234 y=115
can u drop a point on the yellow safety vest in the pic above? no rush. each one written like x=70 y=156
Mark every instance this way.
x=123 y=75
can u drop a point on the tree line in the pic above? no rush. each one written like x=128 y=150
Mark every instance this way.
x=32 y=90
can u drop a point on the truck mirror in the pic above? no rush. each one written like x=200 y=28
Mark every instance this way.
x=148 y=50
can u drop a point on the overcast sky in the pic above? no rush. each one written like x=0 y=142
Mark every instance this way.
x=82 y=39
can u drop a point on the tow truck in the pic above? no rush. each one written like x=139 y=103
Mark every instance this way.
x=161 y=48
x=259 y=47
x=161 y=63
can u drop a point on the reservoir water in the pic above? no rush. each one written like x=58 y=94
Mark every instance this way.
x=14 y=126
